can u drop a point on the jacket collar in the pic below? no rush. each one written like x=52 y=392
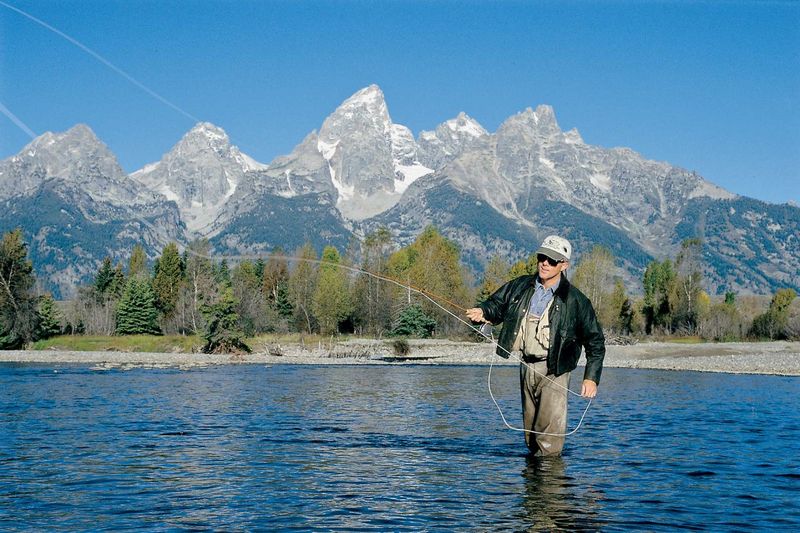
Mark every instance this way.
x=563 y=288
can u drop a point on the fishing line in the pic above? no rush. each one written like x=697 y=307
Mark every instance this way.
x=426 y=294
x=430 y=297
x=103 y=60
x=17 y=121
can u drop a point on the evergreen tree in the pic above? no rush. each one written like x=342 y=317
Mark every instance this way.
x=222 y=334
x=49 y=318
x=283 y=303
x=532 y=264
x=104 y=278
x=659 y=280
x=222 y=273
x=413 y=322
x=136 y=312
x=260 y=266
x=17 y=302
x=331 y=303
x=168 y=279
x=117 y=282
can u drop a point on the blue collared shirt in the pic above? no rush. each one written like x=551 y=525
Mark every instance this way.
x=541 y=297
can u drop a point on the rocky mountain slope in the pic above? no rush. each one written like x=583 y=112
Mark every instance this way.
x=493 y=193
x=76 y=205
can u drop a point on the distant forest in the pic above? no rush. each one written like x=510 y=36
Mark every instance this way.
x=372 y=289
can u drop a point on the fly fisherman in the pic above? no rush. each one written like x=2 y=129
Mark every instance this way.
x=549 y=321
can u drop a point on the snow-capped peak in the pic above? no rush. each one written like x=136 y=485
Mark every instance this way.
x=205 y=135
x=365 y=109
x=367 y=97
x=463 y=123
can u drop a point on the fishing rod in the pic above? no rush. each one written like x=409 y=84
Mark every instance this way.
x=432 y=297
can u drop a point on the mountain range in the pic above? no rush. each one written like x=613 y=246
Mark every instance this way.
x=492 y=193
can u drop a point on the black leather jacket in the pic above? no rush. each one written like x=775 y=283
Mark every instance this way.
x=573 y=325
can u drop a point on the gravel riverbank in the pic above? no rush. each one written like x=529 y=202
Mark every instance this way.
x=782 y=358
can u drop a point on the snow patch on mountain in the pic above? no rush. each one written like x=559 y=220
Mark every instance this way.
x=601 y=181
x=409 y=174
x=710 y=190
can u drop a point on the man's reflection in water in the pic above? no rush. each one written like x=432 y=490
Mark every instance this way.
x=554 y=501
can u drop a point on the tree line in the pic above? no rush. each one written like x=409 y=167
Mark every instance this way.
x=373 y=288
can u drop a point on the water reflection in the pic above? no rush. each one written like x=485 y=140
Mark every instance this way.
x=553 y=500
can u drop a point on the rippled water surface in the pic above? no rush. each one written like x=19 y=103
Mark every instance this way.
x=362 y=448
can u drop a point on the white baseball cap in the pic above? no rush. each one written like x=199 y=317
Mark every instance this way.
x=556 y=247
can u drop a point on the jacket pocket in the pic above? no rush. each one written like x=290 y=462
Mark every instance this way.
x=568 y=352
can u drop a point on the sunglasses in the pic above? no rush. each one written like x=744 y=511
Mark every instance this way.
x=549 y=260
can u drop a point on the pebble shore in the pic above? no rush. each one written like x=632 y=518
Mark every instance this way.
x=779 y=358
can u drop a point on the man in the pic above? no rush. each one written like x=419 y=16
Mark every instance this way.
x=549 y=321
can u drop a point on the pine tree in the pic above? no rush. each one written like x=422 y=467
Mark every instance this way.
x=222 y=334
x=50 y=317
x=658 y=281
x=104 y=277
x=137 y=312
x=17 y=302
x=283 y=303
x=413 y=322
x=117 y=284
x=620 y=310
x=331 y=303
x=222 y=273
x=260 y=266
x=167 y=280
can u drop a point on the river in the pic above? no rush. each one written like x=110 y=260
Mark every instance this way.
x=399 y=448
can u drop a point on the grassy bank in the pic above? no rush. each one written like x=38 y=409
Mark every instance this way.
x=168 y=343
x=124 y=343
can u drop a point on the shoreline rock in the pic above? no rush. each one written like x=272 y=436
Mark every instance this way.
x=778 y=358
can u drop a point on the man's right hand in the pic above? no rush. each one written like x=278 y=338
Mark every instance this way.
x=475 y=314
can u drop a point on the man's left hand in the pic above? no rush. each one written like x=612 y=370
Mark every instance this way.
x=589 y=389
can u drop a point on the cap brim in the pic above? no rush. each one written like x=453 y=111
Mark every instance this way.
x=552 y=254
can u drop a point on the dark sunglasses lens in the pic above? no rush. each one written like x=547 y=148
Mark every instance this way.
x=550 y=261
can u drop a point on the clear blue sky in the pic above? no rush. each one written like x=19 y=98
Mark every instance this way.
x=710 y=86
